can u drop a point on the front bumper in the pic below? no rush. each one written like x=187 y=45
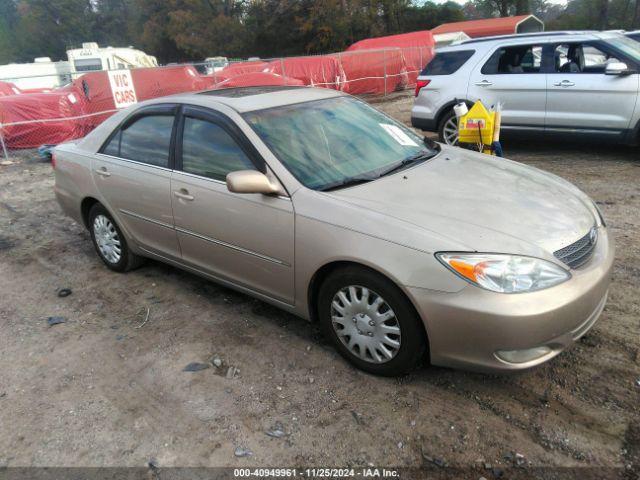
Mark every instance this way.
x=466 y=329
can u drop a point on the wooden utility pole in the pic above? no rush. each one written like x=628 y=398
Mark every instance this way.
x=635 y=23
x=522 y=7
x=604 y=14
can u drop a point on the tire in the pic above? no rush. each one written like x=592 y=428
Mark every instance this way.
x=115 y=253
x=442 y=136
x=354 y=319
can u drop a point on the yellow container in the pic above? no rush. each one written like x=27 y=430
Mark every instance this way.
x=478 y=121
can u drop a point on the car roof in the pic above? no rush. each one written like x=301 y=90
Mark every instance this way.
x=241 y=99
x=247 y=99
x=569 y=35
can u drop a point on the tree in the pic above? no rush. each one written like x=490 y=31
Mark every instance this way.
x=522 y=7
x=603 y=14
x=495 y=8
x=184 y=30
x=203 y=28
x=152 y=18
x=113 y=22
x=8 y=20
x=50 y=27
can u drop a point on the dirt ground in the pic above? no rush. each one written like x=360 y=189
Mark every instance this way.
x=107 y=388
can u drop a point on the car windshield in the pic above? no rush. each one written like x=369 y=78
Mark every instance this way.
x=626 y=45
x=336 y=142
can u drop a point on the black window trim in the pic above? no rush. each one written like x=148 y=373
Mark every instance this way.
x=160 y=109
x=229 y=126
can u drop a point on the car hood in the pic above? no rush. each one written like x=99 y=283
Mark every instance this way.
x=482 y=203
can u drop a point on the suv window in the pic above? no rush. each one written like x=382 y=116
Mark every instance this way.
x=634 y=36
x=146 y=140
x=515 y=59
x=447 y=63
x=209 y=151
x=580 y=58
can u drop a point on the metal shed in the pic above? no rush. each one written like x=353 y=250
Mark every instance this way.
x=493 y=26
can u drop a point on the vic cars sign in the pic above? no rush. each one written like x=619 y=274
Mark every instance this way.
x=122 y=89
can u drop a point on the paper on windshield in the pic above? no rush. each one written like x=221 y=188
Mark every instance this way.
x=398 y=135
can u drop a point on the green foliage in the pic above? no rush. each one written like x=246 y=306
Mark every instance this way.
x=575 y=15
x=180 y=30
x=599 y=14
x=49 y=27
x=8 y=20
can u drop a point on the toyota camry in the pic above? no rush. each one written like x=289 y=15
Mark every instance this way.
x=402 y=249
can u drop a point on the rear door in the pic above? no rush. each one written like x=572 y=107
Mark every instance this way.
x=133 y=174
x=247 y=239
x=513 y=76
x=580 y=95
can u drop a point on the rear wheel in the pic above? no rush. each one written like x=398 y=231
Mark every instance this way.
x=448 y=128
x=370 y=322
x=109 y=241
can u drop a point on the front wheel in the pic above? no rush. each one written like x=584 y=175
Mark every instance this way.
x=370 y=322
x=448 y=128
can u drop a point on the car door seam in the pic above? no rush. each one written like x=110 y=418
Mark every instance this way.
x=147 y=219
x=233 y=247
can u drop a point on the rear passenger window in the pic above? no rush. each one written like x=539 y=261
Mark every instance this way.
x=146 y=140
x=209 y=151
x=446 y=63
x=516 y=59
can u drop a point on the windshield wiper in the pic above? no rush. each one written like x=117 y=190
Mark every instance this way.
x=347 y=182
x=421 y=155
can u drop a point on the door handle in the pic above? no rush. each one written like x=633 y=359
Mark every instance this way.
x=102 y=171
x=484 y=83
x=564 y=83
x=183 y=194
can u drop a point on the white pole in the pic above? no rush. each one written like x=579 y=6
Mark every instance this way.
x=384 y=60
x=4 y=147
x=282 y=69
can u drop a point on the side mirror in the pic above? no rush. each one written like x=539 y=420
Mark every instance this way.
x=617 y=68
x=250 y=181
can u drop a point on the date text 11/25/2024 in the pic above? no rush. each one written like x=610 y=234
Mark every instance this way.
x=369 y=472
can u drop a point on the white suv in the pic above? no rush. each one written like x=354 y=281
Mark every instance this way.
x=551 y=82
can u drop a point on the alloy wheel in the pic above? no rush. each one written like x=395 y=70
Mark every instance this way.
x=450 y=131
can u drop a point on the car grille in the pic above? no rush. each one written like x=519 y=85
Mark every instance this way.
x=578 y=253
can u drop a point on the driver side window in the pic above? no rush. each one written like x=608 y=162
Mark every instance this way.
x=580 y=58
x=209 y=151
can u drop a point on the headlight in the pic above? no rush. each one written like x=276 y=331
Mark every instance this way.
x=504 y=273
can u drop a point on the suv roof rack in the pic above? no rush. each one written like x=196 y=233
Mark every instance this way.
x=526 y=35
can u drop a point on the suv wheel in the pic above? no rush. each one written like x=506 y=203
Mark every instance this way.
x=370 y=322
x=109 y=242
x=448 y=128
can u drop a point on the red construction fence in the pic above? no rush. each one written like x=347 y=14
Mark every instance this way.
x=35 y=118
